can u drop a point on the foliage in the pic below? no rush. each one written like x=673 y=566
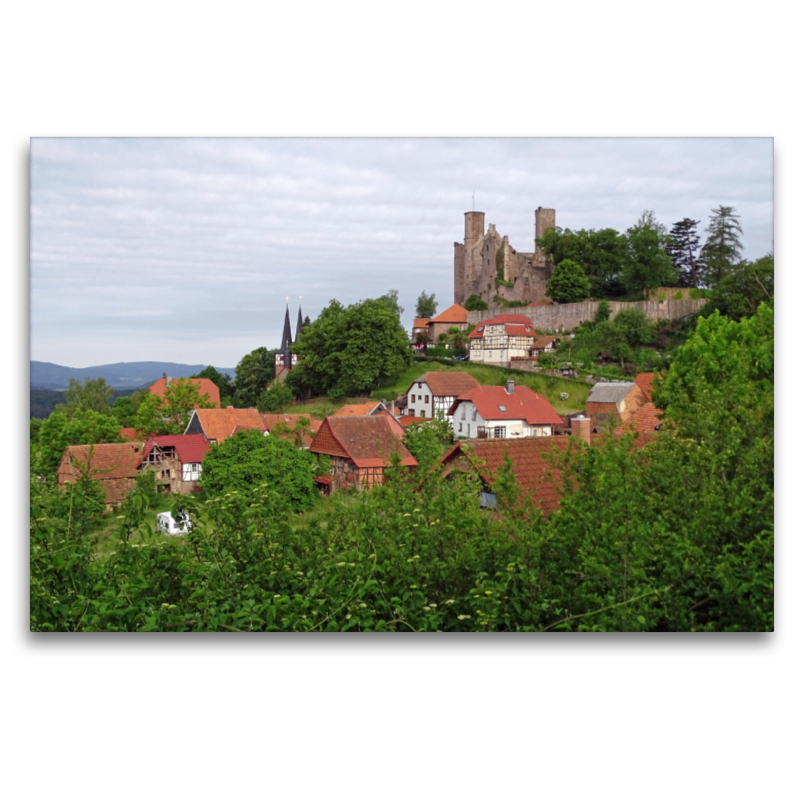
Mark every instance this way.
x=683 y=250
x=634 y=327
x=124 y=412
x=646 y=264
x=254 y=373
x=277 y=396
x=603 y=312
x=426 y=306
x=568 y=283
x=391 y=300
x=474 y=303
x=223 y=382
x=170 y=413
x=249 y=460
x=58 y=432
x=742 y=290
x=722 y=250
x=91 y=395
x=427 y=441
x=297 y=434
x=349 y=350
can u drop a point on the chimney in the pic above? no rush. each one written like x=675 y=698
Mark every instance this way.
x=510 y=387
x=169 y=381
x=581 y=428
x=230 y=407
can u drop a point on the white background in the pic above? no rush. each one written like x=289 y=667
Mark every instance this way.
x=607 y=716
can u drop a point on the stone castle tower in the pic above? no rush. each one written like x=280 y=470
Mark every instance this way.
x=483 y=258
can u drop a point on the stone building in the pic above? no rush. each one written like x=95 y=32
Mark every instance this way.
x=483 y=258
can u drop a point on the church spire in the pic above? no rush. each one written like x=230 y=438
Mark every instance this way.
x=286 y=339
x=299 y=328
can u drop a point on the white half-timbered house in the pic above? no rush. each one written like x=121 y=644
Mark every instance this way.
x=435 y=392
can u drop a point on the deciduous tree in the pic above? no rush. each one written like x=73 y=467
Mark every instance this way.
x=426 y=306
x=170 y=413
x=91 y=395
x=568 y=283
x=254 y=373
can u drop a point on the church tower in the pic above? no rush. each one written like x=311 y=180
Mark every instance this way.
x=284 y=360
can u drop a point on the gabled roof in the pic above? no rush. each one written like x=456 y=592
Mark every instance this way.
x=421 y=322
x=190 y=448
x=524 y=403
x=455 y=314
x=446 y=384
x=530 y=457
x=218 y=423
x=522 y=326
x=543 y=341
x=358 y=409
x=117 y=465
x=644 y=380
x=206 y=387
x=366 y=441
x=609 y=392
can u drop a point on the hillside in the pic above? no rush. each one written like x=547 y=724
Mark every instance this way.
x=125 y=375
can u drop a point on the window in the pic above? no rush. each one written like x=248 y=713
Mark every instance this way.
x=460 y=427
x=500 y=433
x=422 y=414
x=503 y=409
x=413 y=398
x=419 y=386
x=426 y=398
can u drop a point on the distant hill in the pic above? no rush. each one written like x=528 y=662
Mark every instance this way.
x=127 y=375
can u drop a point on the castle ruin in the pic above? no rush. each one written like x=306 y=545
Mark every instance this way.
x=487 y=265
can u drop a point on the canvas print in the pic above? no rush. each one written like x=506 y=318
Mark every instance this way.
x=418 y=385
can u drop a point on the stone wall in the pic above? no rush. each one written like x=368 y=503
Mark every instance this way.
x=569 y=315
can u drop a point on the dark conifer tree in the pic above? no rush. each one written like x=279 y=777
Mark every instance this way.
x=723 y=248
x=683 y=252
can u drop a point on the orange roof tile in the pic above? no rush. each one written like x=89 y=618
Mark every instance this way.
x=206 y=387
x=644 y=381
x=218 y=423
x=646 y=420
x=446 y=384
x=421 y=323
x=505 y=319
x=357 y=409
x=114 y=465
x=455 y=314
x=524 y=403
x=366 y=441
x=270 y=420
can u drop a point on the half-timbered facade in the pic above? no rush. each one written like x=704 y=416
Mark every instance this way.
x=502 y=412
x=360 y=449
x=177 y=461
x=499 y=339
x=114 y=466
x=435 y=392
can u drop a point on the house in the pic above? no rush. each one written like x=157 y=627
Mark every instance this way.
x=646 y=421
x=360 y=449
x=217 y=424
x=499 y=339
x=502 y=412
x=206 y=386
x=620 y=400
x=543 y=344
x=114 y=466
x=532 y=460
x=420 y=327
x=176 y=460
x=644 y=380
x=368 y=409
x=435 y=392
x=453 y=317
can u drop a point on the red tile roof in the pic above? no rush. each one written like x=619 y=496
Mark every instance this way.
x=420 y=322
x=645 y=420
x=357 y=409
x=524 y=403
x=116 y=464
x=539 y=304
x=219 y=423
x=644 y=381
x=543 y=341
x=531 y=459
x=446 y=384
x=206 y=387
x=366 y=441
x=522 y=325
x=190 y=449
x=129 y=434
x=270 y=420
x=455 y=314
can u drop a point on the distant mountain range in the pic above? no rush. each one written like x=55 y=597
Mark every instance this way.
x=128 y=375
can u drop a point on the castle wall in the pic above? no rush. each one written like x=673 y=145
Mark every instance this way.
x=570 y=315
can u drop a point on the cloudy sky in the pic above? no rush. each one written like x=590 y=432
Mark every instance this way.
x=185 y=249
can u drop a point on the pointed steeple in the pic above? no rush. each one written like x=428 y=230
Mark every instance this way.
x=286 y=339
x=299 y=328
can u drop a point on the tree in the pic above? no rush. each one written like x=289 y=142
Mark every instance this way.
x=426 y=306
x=647 y=221
x=682 y=249
x=427 y=441
x=170 y=413
x=58 y=432
x=247 y=460
x=349 y=350
x=603 y=312
x=740 y=293
x=474 y=303
x=275 y=398
x=124 y=411
x=391 y=299
x=222 y=382
x=722 y=250
x=634 y=326
x=92 y=395
x=254 y=373
x=647 y=264
x=568 y=283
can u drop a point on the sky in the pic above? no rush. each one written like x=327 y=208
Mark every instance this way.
x=185 y=250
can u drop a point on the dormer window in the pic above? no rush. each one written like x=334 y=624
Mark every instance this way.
x=503 y=409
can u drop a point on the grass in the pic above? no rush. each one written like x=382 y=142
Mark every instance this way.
x=320 y=407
